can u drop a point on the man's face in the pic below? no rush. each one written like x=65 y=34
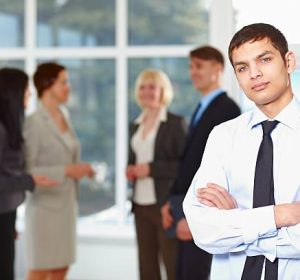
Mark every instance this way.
x=204 y=74
x=263 y=74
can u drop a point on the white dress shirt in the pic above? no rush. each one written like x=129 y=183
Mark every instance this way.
x=229 y=160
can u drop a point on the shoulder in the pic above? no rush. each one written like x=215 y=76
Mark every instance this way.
x=34 y=120
x=226 y=100
x=174 y=118
x=234 y=125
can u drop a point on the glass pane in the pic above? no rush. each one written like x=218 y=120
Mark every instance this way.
x=12 y=23
x=12 y=63
x=185 y=97
x=154 y=22
x=92 y=111
x=75 y=23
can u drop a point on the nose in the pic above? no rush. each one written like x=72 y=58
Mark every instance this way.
x=254 y=71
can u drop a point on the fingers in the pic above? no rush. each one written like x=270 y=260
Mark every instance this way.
x=141 y=170
x=167 y=219
x=225 y=194
x=216 y=196
x=182 y=231
x=44 y=181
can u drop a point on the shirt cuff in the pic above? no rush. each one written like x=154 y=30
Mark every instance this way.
x=257 y=223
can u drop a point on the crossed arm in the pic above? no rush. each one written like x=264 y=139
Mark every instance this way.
x=216 y=196
x=219 y=225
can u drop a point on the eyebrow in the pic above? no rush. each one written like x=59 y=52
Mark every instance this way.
x=257 y=57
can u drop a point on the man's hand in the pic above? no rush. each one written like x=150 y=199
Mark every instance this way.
x=216 y=196
x=166 y=217
x=287 y=214
x=183 y=231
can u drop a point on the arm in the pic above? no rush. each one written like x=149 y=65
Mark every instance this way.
x=33 y=143
x=11 y=182
x=164 y=167
x=221 y=231
x=33 y=132
x=286 y=217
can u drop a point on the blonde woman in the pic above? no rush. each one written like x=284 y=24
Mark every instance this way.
x=156 y=144
x=52 y=148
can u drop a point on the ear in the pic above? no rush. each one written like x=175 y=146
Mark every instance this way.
x=290 y=61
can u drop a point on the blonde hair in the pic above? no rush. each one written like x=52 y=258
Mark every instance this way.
x=161 y=79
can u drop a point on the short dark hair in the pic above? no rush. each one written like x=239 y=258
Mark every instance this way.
x=13 y=83
x=208 y=53
x=45 y=76
x=256 y=32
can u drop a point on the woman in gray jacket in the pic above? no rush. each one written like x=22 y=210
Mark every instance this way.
x=13 y=180
x=52 y=148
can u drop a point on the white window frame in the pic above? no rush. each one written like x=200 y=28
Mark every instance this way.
x=221 y=29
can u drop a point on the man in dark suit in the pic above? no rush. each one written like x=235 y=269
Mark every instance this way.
x=215 y=107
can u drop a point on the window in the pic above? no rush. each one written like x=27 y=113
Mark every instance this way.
x=12 y=23
x=64 y=23
x=104 y=45
x=167 y=22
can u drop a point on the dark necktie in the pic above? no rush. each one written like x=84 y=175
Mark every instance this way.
x=263 y=195
x=194 y=119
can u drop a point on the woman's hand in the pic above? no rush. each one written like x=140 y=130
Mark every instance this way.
x=130 y=175
x=44 y=181
x=78 y=170
x=142 y=170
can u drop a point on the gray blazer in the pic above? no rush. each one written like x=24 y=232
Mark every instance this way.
x=47 y=153
x=169 y=144
x=13 y=180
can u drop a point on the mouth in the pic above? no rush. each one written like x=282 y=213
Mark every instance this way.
x=260 y=86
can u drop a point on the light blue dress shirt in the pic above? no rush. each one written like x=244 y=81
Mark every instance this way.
x=229 y=160
x=205 y=102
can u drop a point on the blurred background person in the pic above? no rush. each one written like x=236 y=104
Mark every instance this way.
x=14 y=94
x=215 y=107
x=156 y=144
x=52 y=148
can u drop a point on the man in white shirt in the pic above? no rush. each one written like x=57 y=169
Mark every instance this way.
x=220 y=205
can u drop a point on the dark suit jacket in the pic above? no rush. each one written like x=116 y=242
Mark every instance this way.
x=13 y=180
x=221 y=109
x=168 y=149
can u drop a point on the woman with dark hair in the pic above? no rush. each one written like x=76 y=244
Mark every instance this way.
x=52 y=148
x=14 y=181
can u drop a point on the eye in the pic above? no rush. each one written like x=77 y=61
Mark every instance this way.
x=241 y=69
x=266 y=59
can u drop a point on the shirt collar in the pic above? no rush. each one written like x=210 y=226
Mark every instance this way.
x=289 y=116
x=206 y=99
x=162 y=117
